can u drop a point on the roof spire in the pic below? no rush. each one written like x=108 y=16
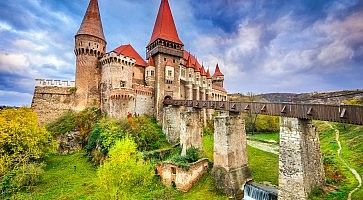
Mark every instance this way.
x=164 y=27
x=217 y=72
x=92 y=24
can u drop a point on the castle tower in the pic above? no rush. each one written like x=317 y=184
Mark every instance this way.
x=218 y=77
x=165 y=46
x=150 y=73
x=90 y=46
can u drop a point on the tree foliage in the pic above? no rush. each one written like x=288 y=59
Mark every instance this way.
x=124 y=174
x=22 y=143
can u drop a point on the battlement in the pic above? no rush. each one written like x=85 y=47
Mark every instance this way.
x=54 y=83
x=112 y=57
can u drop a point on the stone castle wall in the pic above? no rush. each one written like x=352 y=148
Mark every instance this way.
x=183 y=179
x=51 y=102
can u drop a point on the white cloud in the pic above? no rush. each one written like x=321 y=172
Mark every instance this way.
x=14 y=63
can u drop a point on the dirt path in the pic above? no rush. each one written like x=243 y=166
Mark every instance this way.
x=271 y=148
x=354 y=172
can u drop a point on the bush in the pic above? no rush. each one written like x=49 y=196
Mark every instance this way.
x=103 y=137
x=63 y=125
x=83 y=122
x=124 y=174
x=192 y=155
x=22 y=144
x=146 y=133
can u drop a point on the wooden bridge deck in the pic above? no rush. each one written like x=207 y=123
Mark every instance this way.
x=334 y=113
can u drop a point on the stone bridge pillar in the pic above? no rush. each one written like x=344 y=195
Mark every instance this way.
x=171 y=123
x=230 y=168
x=300 y=162
x=191 y=128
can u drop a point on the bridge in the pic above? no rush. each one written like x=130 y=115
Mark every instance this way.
x=300 y=161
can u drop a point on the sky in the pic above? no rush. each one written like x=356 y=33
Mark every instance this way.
x=261 y=46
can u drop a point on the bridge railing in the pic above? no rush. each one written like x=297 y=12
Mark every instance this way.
x=335 y=113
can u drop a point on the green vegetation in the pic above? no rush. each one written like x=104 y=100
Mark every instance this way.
x=338 y=176
x=65 y=177
x=354 y=101
x=23 y=145
x=143 y=130
x=265 y=137
x=192 y=155
x=124 y=174
x=208 y=145
x=83 y=122
x=264 y=165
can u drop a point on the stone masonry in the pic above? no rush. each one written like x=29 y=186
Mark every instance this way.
x=191 y=128
x=171 y=124
x=300 y=162
x=230 y=168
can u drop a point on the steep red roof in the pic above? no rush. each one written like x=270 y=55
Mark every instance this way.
x=128 y=50
x=150 y=62
x=217 y=72
x=208 y=74
x=92 y=24
x=197 y=66
x=164 y=27
x=203 y=73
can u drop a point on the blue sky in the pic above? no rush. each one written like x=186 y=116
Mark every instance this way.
x=261 y=45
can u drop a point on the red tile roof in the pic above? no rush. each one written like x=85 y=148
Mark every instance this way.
x=164 y=27
x=217 y=72
x=92 y=24
x=208 y=74
x=150 y=62
x=203 y=73
x=128 y=50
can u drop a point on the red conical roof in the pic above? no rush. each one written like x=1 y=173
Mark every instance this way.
x=217 y=72
x=92 y=24
x=208 y=74
x=203 y=73
x=151 y=62
x=128 y=50
x=164 y=27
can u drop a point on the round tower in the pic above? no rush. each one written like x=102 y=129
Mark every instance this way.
x=90 y=46
x=218 y=77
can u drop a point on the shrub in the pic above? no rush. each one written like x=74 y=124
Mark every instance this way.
x=103 y=137
x=22 y=144
x=192 y=155
x=66 y=123
x=124 y=174
x=146 y=133
x=86 y=120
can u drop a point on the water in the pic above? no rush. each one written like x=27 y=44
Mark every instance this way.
x=252 y=192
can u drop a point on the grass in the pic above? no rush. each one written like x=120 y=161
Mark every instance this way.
x=337 y=174
x=265 y=137
x=66 y=177
x=264 y=165
x=208 y=145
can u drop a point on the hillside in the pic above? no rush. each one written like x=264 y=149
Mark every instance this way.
x=335 y=97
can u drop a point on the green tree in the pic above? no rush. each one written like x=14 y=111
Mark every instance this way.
x=124 y=174
x=22 y=142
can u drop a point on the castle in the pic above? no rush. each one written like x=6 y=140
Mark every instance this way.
x=121 y=82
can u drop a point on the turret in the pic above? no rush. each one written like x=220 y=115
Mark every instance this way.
x=218 y=77
x=166 y=50
x=150 y=73
x=90 y=46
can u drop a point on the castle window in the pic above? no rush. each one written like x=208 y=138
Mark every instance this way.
x=122 y=83
x=89 y=44
x=122 y=67
x=170 y=73
x=152 y=73
x=190 y=75
x=173 y=60
x=133 y=74
x=165 y=59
